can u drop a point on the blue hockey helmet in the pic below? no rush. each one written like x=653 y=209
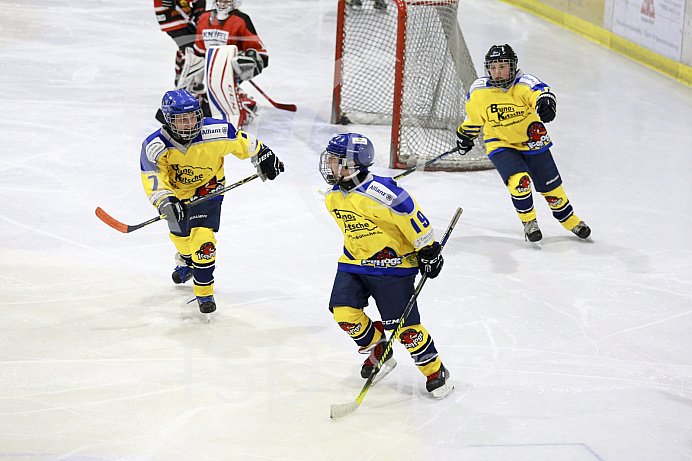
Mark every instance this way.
x=175 y=105
x=501 y=54
x=354 y=151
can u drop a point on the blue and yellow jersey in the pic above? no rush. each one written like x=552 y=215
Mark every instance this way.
x=382 y=225
x=169 y=168
x=508 y=117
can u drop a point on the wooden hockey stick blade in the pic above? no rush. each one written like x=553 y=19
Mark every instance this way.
x=121 y=227
x=278 y=105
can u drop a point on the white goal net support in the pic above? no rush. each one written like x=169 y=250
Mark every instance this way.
x=406 y=65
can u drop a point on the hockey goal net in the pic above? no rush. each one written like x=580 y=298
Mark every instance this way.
x=405 y=63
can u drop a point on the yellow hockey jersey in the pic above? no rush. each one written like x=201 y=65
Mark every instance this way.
x=508 y=117
x=170 y=168
x=382 y=226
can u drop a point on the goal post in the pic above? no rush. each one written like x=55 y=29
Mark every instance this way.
x=405 y=63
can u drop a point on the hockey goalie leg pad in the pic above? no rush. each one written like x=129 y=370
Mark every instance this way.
x=357 y=325
x=519 y=186
x=203 y=244
x=561 y=208
x=419 y=343
x=221 y=85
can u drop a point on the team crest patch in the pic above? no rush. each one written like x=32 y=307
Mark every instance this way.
x=411 y=338
x=554 y=202
x=206 y=251
x=538 y=136
x=350 y=328
x=524 y=184
x=386 y=257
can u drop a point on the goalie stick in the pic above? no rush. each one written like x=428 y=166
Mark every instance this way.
x=126 y=229
x=278 y=105
x=340 y=410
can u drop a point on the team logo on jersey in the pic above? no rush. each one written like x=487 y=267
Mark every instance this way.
x=538 y=136
x=206 y=251
x=206 y=189
x=351 y=328
x=554 y=202
x=524 y=184
x=355 y=225
x=411 y=338
x=383 y=258
x=502 y=113
x=188 y=175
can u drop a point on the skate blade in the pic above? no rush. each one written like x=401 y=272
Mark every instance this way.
x=387 y=368
x=443 y=391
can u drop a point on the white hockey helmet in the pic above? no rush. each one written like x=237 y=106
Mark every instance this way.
x=224 y=8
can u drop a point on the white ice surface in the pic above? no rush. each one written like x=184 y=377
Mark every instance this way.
x=576 y=351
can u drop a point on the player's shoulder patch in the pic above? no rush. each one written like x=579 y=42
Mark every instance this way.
x=531 y=81
x=212 y=130
x=154 y=148
x=383 y=189
x=478 y=84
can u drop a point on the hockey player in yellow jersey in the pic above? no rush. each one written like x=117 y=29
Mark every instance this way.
x=511 y=108
x=184 y=161
x=387 y=240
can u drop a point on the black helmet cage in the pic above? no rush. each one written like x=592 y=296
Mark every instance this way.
x=501 y=53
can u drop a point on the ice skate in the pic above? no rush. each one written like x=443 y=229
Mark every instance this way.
x=437 y=383
x=376 y=351
x=182 y=272
x=581 y=230
x=206 y=304
x=531 y=231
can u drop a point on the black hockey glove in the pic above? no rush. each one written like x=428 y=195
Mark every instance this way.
x=168 y=4
x=267 y=164
x=546 y=107
x=464 y=143
x=172 y=208
x=430 y=260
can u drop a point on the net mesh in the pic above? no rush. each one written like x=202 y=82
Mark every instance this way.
x=437 y=72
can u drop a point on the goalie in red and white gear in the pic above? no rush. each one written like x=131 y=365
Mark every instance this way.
x=178 y=18
x=225 y=25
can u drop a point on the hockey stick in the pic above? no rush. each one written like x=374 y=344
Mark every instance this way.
x=415 y=168
x=278 y=105
x=126 y=229
x=340 y=410
x=428 y=163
